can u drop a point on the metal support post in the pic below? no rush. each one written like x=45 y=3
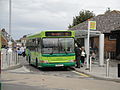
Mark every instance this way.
x=1 y=59
x=109 y=55
x=16 y=57
x=88 y=47
x=101 y=50
x=10 y=56
x=90 y=63
x=13 y=58
x=119 y=70
x=7 y=58
x=107 y=67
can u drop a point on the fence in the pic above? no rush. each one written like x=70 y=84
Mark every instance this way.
x=8 y=58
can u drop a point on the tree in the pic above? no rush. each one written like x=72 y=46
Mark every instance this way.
x=83 y=16
x=108 y=10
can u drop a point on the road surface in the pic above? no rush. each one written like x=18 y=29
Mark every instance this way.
x=32 y=78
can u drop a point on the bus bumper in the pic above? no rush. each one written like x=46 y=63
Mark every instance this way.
x=57 y=64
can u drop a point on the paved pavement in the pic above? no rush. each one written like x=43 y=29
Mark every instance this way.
x=100 y=72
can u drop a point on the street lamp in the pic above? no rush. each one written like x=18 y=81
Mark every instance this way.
x=10 y=18
x=10 y=42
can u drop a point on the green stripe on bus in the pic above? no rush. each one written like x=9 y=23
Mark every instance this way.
x=55 y=64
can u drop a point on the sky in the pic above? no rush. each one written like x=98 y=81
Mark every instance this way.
x=32 y=16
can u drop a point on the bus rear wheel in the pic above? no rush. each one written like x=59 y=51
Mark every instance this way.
x=36 y=63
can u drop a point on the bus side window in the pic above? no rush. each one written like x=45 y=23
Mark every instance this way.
x=39 y=44
x=28 y=44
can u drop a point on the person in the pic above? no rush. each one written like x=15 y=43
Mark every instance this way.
x=23 y=51
x=19 y=52
x=77 y=53
x=93 y=56
x=83 y=56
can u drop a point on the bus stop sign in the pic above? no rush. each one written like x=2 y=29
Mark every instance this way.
x=92 y=25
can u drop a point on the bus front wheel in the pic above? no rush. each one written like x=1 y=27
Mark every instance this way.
x=29 y=60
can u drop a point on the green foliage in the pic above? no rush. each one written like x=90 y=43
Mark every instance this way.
x=108 y=10
x=83 y=16
x=70 y=26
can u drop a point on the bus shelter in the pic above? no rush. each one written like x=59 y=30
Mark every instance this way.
x=84 y=34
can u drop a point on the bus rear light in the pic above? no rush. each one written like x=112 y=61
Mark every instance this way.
x=45 y=61
x=75 y=60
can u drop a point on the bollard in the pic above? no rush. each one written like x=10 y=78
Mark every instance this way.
x=90 y=63
x=109 y=55
x=10 y=55
x=107 y=67
x=13 y=57
x=1 y=59
x=6 y=57
x=16 y=57
x=118 y=70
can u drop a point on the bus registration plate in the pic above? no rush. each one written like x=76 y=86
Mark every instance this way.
x=58 y=65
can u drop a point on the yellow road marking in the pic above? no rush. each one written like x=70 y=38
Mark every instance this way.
x=81 y=74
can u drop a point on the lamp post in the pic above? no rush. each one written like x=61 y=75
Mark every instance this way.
x=10 y=42
x=9 y=59
x=10 y=18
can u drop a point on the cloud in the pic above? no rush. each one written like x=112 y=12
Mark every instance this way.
x=30 y=16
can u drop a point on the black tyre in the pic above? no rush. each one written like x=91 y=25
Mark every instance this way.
x=36 y=62
x=29 y=60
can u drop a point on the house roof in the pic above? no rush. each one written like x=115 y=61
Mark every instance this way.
x=104 y=22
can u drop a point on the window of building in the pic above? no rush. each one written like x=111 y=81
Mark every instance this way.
x=112 y=37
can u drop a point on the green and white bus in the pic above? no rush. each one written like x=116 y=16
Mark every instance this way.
x=51 y=49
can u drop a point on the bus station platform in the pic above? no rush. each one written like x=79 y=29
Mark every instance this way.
x=100 y=72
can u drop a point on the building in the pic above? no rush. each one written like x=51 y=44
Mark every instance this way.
x=5 y=37
x=116 y=33
x=23 y=40
x=105 y=23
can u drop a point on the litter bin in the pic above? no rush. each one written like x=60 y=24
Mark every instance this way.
x=118 y=70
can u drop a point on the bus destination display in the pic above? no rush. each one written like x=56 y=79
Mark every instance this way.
x=58 y=33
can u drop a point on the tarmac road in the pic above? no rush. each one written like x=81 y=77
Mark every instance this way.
x=58 y=71
x=6 y=86
x=32 y=78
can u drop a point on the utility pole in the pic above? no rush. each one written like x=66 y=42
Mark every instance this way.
x=10 y=38
x=91 y=26
x=88 y=46
x=10 y=18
